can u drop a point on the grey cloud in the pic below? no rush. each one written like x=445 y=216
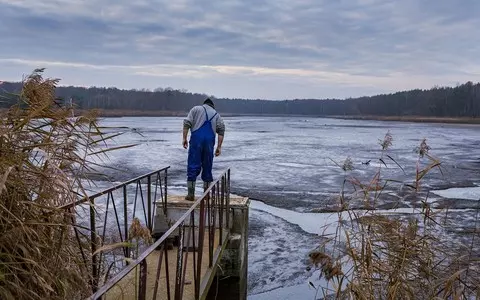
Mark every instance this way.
x=431 y=40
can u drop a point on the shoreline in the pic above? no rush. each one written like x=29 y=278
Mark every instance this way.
x=118 y=113
x=413 y=119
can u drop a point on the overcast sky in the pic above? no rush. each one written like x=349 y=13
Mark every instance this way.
x=273 y=49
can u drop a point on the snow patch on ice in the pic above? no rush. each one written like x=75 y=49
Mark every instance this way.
x=467 y=193
x=294 y=165
x=299 y=291
x=314 y=223
x=317 y=223
x=432 y=200
x=278 y=253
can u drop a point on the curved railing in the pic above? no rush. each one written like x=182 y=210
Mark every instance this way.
x=198 y=225
x=105 y=218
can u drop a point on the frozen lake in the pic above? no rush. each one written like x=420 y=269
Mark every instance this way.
x=287 y=164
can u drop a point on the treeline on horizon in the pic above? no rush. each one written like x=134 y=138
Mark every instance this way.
x=454 y=102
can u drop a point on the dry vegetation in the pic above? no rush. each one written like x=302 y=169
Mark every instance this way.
x=43 y=154
x=374 y=255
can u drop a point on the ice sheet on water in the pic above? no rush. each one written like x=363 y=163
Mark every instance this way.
x=263 y=252
x=318 y=223
x=272 y=155
x=266 y=153
x=295 y=165
x=277 y=273
x=313 y=223
x=295 y=292
x=278 y=252
x=468 y=193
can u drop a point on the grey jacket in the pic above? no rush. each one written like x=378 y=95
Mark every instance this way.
x=196 y=117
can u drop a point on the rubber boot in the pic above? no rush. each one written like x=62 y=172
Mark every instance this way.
x=191 y=191
x=206 y=185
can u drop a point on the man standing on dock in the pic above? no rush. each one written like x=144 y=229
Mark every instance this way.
x=203 y=121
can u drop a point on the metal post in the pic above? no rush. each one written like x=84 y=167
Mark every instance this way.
x=222 y=206
x=227 y=198
x=125 y=220
x=195 y=280
x=201 y=237
x=214 y=214
x=142 y=289
x=93 y=243
x=165 y=187
x=228 y=183
x=149 y=204
x=209 y=223
x=167 y=272
x=157 y=276
x=191 y=228
x=178 y=277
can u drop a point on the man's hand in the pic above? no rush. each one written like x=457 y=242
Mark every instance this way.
x=219 y=145
x=185 y=134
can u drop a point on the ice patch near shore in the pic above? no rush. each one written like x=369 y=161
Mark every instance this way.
x=295 y=165
x=299 y=291
x=326 y=224
x=316 y=223
x=467 y=193
x=309 y=222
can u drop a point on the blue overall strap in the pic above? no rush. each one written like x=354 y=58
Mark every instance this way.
x=206 y=115
x=212 y=117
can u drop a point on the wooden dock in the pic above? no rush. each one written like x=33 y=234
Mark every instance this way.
x=166 y=262
x=125 y=289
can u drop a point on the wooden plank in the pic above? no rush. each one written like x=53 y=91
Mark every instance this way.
x=209 y=275
x=125 y=289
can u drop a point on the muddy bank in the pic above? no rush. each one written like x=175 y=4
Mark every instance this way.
x=416 y=119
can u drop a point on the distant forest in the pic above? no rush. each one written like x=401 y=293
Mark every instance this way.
x=448 y=102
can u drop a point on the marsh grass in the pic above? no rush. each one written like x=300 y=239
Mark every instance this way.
x=379 y=255
x=45 y=156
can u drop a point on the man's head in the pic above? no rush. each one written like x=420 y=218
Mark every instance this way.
x=208 y=101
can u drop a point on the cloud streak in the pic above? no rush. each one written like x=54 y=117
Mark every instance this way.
x=303 y=48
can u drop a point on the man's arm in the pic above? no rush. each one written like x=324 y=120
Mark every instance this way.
x=218 y=151
x=187 y=124
x=220 y=141
x=220 y=132
x=185 y=134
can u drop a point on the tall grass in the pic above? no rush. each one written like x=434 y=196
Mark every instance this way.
x=44 y=154
x=427 y=254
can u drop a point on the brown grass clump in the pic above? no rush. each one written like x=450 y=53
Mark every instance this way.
x=399 y=256
x=138 y=232
x=43 y=153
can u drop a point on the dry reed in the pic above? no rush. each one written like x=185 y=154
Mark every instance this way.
x=44 y=153
x=398 y=256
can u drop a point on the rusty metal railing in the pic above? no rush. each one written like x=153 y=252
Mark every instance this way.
x=104 y=218
x=201 y=231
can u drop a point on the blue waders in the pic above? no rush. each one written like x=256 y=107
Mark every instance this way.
x=200 y=155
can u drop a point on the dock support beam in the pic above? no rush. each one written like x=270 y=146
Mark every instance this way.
x=227 y=277
x=230 y=281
